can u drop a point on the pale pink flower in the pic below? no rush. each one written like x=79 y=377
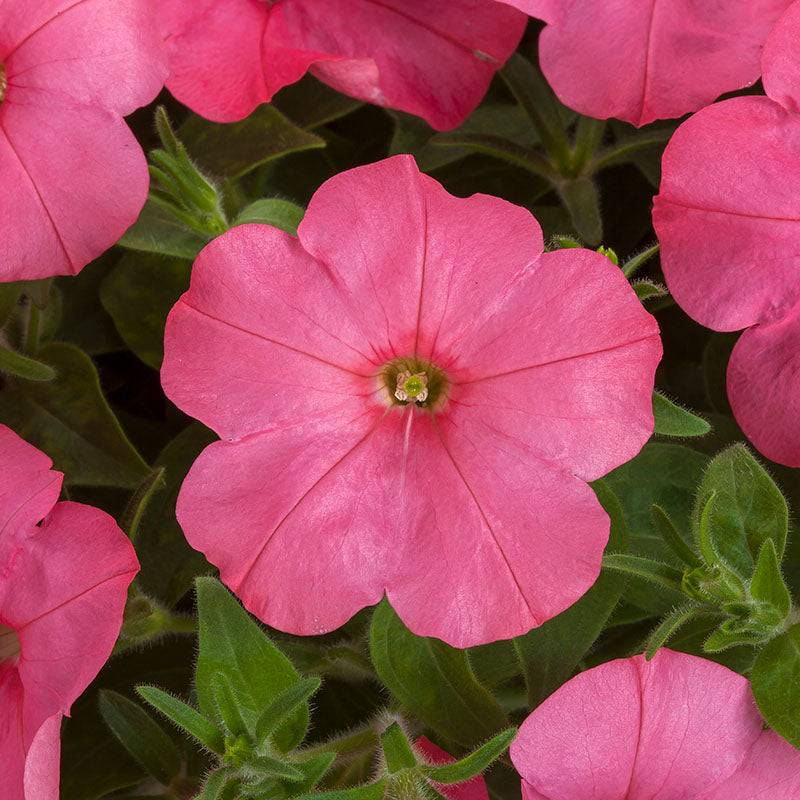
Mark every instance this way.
x=64 y=573
x=430 y=59
x=470 y=510
x=649 y=59
x=74 y=177
x=678 y=727
x=728 y=220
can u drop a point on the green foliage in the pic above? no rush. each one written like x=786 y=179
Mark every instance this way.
x=433 y=681
x=70 y=420
x=672 y=420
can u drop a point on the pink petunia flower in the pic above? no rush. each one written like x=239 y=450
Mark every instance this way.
x=64 y=573
x=334 y=481
x=728 y=220
x=74 y=177
x=650 y=59
x=676 y=728
x=430 y=59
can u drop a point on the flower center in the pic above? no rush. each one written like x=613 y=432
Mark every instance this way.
x=415 y=380
x=9 y=644
x=3 y=81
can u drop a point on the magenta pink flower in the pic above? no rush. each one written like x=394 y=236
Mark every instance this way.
x=650 y=59
x=411 y=397
x=74 y=178
x=727 y=219
x=64 y=574
x=675 y=728
x=430 y=59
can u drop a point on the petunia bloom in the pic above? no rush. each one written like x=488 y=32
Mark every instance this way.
x=727 y=220
x=650 y=59
x=676 y=728
x=64 y=573
x=335 y=481
x=74 y=177
x=430 y=59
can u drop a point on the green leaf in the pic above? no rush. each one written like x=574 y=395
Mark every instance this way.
x=283 y=706
x=582 y=200
x=138 y=294
x=776 y=684
x=373 y=791
x=309 y=103
x=217 y=782
x=275 y=768
x=633 y=264
x=499 y=147
x=672 y=537
x=672 y=420
x=748 y=509
x=724 y=638
x=767 y=584
x=169 y=564
x=28 y=368
x=313 y=770
x=144 y=738
x=69 y=419
x=550 y=653
x=10 y=294
x=646 y=289
x=433 y=681
x=656 y=571
x=232 y=643
x=137 y=505
x=473 y=764
x=185 y=716
x=668 y=626
x=158 y=231
x=227 y=704
x=398 y=752
x=232 y=149
x=272 y=211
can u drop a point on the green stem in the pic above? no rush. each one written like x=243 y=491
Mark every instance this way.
x=32 y=334
x=349 y=746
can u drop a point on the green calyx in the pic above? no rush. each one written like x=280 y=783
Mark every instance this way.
x=414 y=380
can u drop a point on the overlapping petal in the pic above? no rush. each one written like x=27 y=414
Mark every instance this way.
x=780 y=61
x=74 y=176
x=63 y=587
x=653 y=59
x=675 y=728
x=727 y=214
x=432 y=60
x=281 y=345
x=764 y=387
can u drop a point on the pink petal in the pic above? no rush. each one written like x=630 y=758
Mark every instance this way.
x=92 y=52
x=764 y=388
x=433 y=60
x=12 y=746
x=28 y=487
x=547 y=10
x=436 y=62
x=72 y=569
x=473 y=789
x=547 y=365
x=780 y=61
x=727 y=214
x=639 y=730
x=651 y=60
x=43 y=761
x=504 y=540
x=304 y=354
x=217 y=56
x=297 y=520
x=74 y=180
x=771 y=771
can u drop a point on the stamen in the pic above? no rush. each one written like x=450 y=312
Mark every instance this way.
x=3 y=81
x=411 y=387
